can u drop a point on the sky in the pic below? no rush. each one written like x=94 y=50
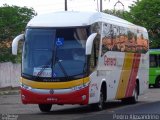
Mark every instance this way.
x=47 y=6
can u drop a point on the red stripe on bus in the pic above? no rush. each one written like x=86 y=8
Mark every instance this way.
x=134 y=72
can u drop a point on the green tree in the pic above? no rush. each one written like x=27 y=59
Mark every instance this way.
x=118 y=13
x=13 y=20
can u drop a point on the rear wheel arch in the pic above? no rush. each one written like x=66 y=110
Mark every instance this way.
x=133 y=99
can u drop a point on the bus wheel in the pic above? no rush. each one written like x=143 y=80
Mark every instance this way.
x=134 y=98
x=100 y=105
x=45 y=107
x=158 y=82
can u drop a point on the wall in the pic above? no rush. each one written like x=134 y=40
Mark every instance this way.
x=9 y=74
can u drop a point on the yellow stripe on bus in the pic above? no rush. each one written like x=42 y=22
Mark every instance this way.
x=54 y=85
x=125 y=75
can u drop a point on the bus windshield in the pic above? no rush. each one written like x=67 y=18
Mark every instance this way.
x=54 y=53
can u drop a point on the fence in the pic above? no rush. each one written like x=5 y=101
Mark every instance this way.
x=9 y=74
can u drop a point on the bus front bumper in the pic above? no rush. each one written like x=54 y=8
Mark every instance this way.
x=51 y=96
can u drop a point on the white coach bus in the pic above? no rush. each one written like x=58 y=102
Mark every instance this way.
x=82 y=58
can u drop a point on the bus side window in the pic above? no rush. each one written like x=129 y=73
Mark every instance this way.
x=153 y=61
x=158 y=60
x=92 y=60
x=97 y=48
x=95 y=53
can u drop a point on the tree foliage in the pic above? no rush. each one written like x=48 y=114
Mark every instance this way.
x=13 y=20
x=145 y=13
x=118 y=13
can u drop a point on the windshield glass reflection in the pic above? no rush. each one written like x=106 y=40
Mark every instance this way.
x=54 y=53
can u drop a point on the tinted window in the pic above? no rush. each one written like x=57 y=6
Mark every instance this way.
x=153 y=61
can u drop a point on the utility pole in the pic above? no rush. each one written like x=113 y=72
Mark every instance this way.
x=65 y=5
x=101 y=5
x=101 y=8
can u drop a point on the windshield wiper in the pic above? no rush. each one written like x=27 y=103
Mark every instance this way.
x=43 y=68
x=61 y=66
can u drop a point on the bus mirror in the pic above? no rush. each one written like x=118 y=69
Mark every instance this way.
x=15 y=43
x=89 y=43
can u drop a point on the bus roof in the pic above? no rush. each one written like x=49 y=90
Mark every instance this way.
x=73 y=18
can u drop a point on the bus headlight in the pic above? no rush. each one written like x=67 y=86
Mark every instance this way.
x=83 y=97
x=26 y=87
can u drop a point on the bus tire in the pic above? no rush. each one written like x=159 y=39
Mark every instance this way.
x=45 y=107
x=100 y=105
x=134 y=98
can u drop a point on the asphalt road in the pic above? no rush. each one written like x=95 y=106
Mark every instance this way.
x=149 y=103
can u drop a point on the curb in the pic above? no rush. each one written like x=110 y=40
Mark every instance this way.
x=10 y=91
